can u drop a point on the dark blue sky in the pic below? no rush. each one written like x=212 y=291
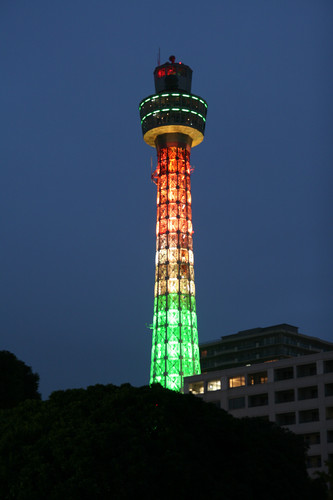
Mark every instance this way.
x=77 y=205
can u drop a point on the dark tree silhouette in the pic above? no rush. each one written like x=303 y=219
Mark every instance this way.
x=17 y=381
x=110 y=442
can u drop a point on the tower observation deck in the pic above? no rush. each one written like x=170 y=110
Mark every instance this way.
x=173 y=120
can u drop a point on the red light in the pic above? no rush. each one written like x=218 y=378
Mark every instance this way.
x=160 y=73
x=171 y=70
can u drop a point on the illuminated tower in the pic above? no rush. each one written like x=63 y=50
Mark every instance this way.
x=173 y=121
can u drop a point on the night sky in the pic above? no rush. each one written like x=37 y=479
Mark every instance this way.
x=77 y=204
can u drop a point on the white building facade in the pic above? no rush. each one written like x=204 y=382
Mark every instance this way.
x=296 y=393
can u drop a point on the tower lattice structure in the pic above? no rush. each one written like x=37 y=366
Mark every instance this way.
x=173 y=121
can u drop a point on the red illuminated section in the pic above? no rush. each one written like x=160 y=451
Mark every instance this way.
x=170 y=70
x=174 y=215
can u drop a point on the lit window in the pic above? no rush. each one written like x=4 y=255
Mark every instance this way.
x=196 y=388
x=214 y=385
x=237 y=381
x=257 y=378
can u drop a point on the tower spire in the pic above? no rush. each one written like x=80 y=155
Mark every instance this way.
x=173 y=121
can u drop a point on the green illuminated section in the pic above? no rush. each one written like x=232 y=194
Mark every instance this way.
x=175 y=351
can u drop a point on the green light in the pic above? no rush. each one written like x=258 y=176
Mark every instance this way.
x=173 y=109
x=175 y=348
x=154 y=97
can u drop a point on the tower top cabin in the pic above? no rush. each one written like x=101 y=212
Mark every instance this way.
x=173 y=109
x=172 y=76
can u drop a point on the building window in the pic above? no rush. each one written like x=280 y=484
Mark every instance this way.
x=307 y=392
x=308 y=416
x=328 y=390
x=283 y=373
x=284 y=396
x=197 y=388
x=328 y=366
x=285 y=418
x=330 y=436
x=306 y=370
x=329 y=413
x=237 y=381
x=214 y=385
x=313 y=461
x=258 y=400
x=236 y=403
x=257 y=378
x=312 y=438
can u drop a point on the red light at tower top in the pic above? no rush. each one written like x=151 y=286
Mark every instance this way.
x=173 y=76
x=173 y=121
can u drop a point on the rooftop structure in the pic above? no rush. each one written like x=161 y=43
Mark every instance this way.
x=258 y=345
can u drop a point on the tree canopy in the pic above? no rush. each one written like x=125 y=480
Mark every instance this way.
x=124 y=442
x=17 y=381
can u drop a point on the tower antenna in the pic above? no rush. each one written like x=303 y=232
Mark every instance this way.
x=159 y=57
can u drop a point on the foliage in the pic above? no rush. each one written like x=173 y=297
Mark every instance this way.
x=326 y=479
x=122 y=442
x=17 y=381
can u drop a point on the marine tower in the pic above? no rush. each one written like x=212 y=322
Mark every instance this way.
x=173 y=121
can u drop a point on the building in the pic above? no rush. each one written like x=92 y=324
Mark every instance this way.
x=295 y=392
x=173 y=121
x=258 y=345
